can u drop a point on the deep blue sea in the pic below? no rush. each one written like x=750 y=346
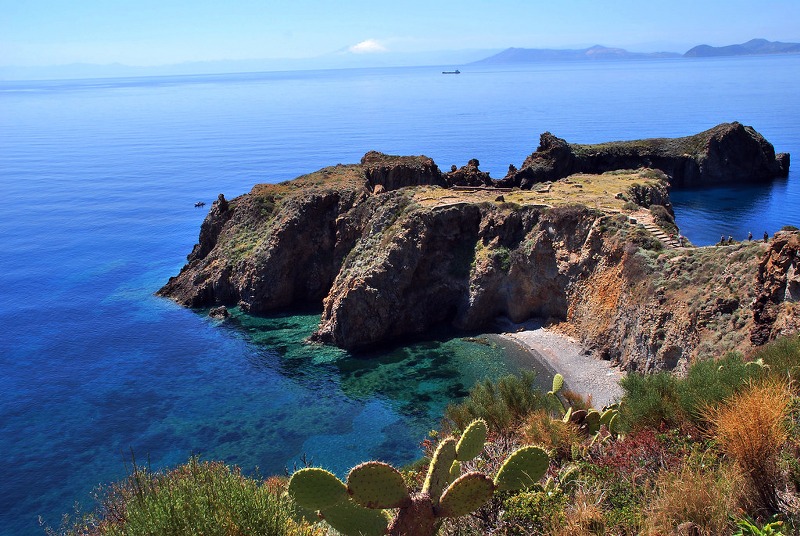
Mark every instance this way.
x=99 y=178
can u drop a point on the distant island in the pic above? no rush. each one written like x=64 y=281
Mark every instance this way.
x=751 y=48
x=597 y=52
x=341 y=60
x=600 y=53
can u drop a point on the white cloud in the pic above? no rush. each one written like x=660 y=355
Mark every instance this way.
x=368 y=46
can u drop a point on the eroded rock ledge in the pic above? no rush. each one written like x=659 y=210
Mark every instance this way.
x=389 y=249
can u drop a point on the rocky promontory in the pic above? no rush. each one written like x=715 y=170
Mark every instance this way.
x=392 y=246
x=727 y=153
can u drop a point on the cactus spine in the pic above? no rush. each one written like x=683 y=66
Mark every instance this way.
x=358 y=507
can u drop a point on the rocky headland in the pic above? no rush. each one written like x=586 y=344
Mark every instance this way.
x=392 y=246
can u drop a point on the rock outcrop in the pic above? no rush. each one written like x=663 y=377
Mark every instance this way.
x=727 y=153
x=778 y=283
x=388 y=252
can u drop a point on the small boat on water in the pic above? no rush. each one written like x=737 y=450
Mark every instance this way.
x=452 y=72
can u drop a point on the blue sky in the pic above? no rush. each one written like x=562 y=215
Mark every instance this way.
x=158 y=32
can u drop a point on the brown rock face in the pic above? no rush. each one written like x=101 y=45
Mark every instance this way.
x=391 y=172
x=779 y=289
x=468 y=175
x=727 y=153
x=283 y=245
x=404 y=279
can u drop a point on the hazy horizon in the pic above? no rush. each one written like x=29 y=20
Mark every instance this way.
x=308 y=34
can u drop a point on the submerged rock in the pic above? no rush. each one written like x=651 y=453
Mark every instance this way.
x=220 y=312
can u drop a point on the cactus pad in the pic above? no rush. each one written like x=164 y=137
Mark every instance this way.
x=353 y=520
x=316 y=489
x=558 y=383
x=455 y=470
x=557 y=403
x=592 y=421
x=468 y=493
x=605 y=417
x=613 y=425
x=578 y=416
x=439 y=471
x=569 y=476
x=472 y=441
x=377 y=485
x=522 y=469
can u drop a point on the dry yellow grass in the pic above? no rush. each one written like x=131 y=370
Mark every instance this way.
x=330 y=177
x=584 y=515
x=751 y=428
x=593 y=191
x=540 y=429
x=705 y=497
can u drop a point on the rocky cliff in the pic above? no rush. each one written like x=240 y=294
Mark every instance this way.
x=727 y=153
x=387 y=251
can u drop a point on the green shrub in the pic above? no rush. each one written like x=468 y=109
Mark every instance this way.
x=503 y=404
x=660 y=398
x=207 y=498
x=624 y=502
x=534 y=512
x=649 y=401
x=789 y=228
x=782 y=356
x=711 y=381
x=502 y=256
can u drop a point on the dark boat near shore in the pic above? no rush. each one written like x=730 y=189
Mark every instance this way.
x=452 y=72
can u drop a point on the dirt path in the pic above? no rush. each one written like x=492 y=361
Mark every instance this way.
x=582 y=373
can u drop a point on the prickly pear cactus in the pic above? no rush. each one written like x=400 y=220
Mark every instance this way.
x=472 y=441
x=468 y=493
x=314 y=488
x=455 y=470
x=592 y=421
x=359 y=508
x=439 y=471
x=352 y=519
x=522 y=469
x=377 y=485
x=558 y=383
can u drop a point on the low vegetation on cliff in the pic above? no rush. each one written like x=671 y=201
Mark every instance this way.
x=713 y=453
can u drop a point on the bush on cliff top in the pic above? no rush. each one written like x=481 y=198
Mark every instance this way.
x=502 y=404
x=662 y=399
x=207 y=498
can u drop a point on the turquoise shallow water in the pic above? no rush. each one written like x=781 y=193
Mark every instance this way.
x=99 y=179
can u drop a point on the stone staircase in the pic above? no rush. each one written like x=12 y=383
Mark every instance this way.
x=644 y=218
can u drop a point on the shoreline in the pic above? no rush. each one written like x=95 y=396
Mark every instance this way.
x=561 y=354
